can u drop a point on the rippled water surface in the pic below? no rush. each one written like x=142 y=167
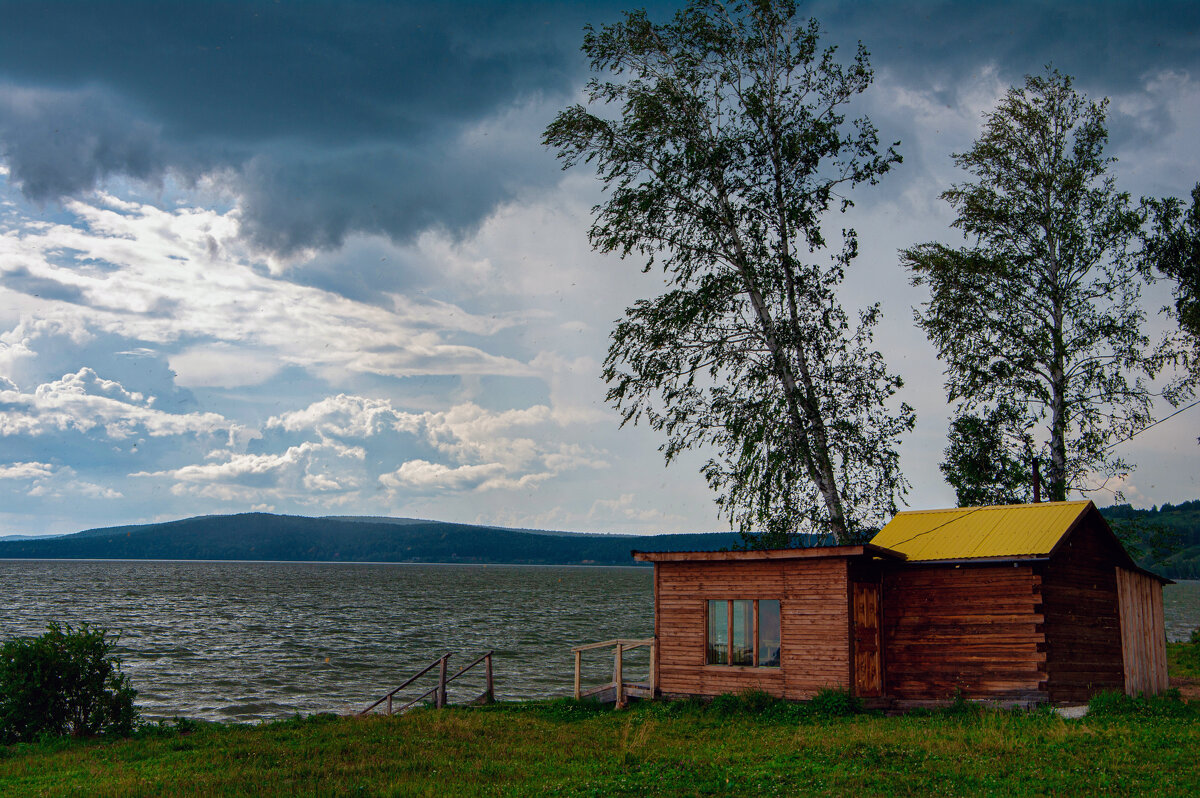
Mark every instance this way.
x=1181 y=608
x=247 y=641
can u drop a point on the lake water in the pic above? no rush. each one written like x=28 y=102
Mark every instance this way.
x=247 y=641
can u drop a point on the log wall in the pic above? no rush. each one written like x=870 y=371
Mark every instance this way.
x=814 y=625
x=1083 y=632
x=973 y=630
x=1143 y=634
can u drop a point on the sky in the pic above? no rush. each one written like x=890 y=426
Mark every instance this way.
x=312 y=258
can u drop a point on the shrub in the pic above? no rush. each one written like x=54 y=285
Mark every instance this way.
x=832 y=703
x=1112 y=703
x=66 y=681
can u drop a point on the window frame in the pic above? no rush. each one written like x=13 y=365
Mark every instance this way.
x=755 y=641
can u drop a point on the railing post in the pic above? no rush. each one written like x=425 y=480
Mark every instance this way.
x=439 y=699
x=389 y=704
x=618 y=675
x=487 y=669
x=653 y=669
x=578 y=656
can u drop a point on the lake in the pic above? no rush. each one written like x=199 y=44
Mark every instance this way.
x=247 y=641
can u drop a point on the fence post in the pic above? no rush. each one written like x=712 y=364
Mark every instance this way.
x=440 y=698
x=653 y=669
x=619 y=676
x=389 y=705
x=487 y=668
x=578 y=656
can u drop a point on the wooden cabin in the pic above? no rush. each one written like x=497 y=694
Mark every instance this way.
x=1018 y=604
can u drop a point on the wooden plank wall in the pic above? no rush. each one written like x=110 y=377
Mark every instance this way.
x=973 y=630
x=1079 y=600
x=814 y=625
x=1143 y=635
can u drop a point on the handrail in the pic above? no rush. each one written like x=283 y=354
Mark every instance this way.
x=622 y=644
x=423 y=671
x=628 y=643
x=439 y=691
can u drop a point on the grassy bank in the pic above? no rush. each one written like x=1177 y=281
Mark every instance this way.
x=562 y=748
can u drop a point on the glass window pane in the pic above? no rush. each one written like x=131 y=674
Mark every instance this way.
x=743 y=633
x=768 y=633
x=718 y=633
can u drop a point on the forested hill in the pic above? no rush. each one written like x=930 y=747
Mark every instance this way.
x=264 y=536
x=1164 y=539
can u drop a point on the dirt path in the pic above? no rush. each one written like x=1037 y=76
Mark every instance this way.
x=1188 y=688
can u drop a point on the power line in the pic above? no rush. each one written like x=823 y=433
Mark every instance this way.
x=1150 y=426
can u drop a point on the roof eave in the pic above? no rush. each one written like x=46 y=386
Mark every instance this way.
x=752 y=555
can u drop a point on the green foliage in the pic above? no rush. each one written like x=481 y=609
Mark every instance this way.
x=830 y=702
x=722 y=141
x=1040 y=312
x=1163 y=539
x=67 y=681
x=988 y=459
x=1112 y=703
x=1173 y=248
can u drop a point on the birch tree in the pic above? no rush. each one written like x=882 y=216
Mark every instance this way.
x=1040 y=310
x=722 y=141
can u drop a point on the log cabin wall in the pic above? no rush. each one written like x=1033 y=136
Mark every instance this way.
x=1079 y=602
x=974 y=630
x=814 y=625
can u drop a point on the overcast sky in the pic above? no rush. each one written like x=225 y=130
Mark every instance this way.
x=312 y=258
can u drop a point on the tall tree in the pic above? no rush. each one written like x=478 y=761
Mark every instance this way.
x=722 y=142
x=1172 y=247
x=1041 y=310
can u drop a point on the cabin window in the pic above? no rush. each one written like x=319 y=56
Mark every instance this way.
x=743 y=632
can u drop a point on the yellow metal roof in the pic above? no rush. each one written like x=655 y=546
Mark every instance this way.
x=966 y=532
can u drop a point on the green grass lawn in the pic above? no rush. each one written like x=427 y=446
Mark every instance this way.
x=564 y=748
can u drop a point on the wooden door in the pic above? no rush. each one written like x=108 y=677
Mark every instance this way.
x=868 y=665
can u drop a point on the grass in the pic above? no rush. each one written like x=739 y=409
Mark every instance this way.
x=736 y=746
x=1183 y=659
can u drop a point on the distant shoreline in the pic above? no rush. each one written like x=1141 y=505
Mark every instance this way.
x=638 y=566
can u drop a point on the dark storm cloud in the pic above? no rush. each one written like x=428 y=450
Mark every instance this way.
x=1106 y=43
x=57 y=143
x=331 y=117
x=335 y=118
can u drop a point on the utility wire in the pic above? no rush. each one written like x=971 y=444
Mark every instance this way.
x=936 y=528
x=1149 y=426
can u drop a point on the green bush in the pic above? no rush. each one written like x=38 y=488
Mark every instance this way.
x=1112 y=703
x=66 y=681
x=832 y=703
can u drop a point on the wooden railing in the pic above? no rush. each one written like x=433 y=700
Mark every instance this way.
x=439 y=690
x=621 y=689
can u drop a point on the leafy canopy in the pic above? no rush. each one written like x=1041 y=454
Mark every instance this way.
x=1172 y=248
x=722 y=142
x=1040 y=311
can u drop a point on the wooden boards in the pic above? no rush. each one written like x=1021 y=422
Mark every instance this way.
x=1143 y=636
x=974 y=631
x=868 y=670
x=1079 y=601
x=814 y=624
